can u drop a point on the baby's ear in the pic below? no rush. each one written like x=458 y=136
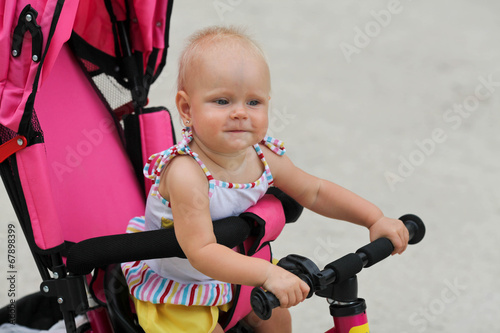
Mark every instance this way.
x=183 y=104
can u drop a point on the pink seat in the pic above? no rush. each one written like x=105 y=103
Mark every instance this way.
x=91 y=180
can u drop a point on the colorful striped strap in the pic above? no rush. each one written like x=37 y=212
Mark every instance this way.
x=158 y=161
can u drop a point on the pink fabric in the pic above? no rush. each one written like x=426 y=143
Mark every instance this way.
x=94 y=25
x=61 y=35
x=243 y=307
x=92 y=181
x=17 y=74
x=270 y=209
x=147 y=24
x=99 y=320
x=158 y=123
x=33 y=172
x=149 y=30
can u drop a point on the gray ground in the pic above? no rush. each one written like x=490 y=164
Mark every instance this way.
x=397 y=101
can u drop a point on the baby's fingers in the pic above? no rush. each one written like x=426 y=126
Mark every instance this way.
x=304 y=288
x=284 y=301
x=400 y=242
x=301 y=292
x=294 y=295
x=406 y=238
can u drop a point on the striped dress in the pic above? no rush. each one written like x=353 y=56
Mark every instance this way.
x=174 y=280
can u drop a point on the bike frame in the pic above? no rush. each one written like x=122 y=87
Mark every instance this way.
x=349 y=314
x=356 y=323
x=352 y=324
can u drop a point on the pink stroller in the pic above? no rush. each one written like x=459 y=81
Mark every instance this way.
x=75 y=133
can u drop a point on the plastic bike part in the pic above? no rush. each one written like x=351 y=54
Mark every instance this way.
x=337 y=271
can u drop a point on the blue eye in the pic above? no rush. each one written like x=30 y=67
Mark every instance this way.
x=221 y=101
x=253 y=103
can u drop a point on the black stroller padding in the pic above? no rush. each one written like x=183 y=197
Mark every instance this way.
x=91 y=253
x=86 y=255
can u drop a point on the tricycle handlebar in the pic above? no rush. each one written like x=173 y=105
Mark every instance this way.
x=340 y=270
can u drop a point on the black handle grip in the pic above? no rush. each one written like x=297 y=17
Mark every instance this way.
x=382 y=248
x=264 y=302
x=375 y=251
x=416 y=227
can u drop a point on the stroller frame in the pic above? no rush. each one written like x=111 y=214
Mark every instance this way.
x=34 y=44
x=52 y=45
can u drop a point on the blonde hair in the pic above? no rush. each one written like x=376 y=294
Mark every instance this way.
x=212 y=38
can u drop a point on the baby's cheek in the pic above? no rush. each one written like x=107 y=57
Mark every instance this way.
x=264 y=125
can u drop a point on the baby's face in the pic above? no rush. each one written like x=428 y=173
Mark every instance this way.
x=229 y=93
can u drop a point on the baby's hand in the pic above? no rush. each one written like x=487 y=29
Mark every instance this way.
x=392 y=229
x=287 y=287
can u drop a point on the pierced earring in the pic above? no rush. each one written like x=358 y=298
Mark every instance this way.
x=188 y=122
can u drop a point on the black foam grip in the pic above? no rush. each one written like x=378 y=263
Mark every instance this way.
x=377 y=251
x=416 y=227
x=86 y=255
x=346 y=267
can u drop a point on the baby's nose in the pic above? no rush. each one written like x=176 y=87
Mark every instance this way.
x=239 y=112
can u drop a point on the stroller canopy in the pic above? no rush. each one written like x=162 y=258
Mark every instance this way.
x=28 y=28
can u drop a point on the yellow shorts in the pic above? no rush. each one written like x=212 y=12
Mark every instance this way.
x=174 y=318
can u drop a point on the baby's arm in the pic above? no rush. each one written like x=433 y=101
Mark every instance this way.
x=186 y=187
x=334 y=201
